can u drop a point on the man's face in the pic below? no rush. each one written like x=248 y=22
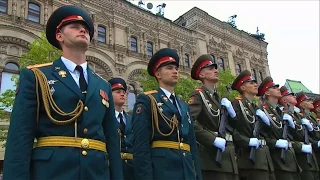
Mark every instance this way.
x=274 y=92
x=250 y=87
x=168 y=74
x=307 y=104
x=119 y=97
x=209 y=73
x=74 y=35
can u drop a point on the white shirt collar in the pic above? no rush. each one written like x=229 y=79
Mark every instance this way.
x=71 y=65
x=117 y=113
x=166 y=92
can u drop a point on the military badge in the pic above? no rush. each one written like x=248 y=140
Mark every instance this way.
x=57 y=68
x=51 y=82
x=165 y=98
x=52 y=90
x=139 y=108
x=105 y=98
x=62 y=73
x=160 y=106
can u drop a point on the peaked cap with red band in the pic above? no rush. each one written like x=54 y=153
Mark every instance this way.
x=301 y=96
x=63 y=16
x=244 y=76
x=161 y=58
x=118 y=83
x=266 y=84
x=316 y=104
x=285 y=92
x=203 y=61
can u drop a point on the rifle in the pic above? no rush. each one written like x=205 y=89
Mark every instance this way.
x=222 y=125
x=256 y=133
x=306 y=136
x=284 y=136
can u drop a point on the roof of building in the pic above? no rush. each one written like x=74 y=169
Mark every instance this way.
x=296 y=86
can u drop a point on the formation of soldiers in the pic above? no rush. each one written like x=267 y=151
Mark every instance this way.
x=82 y=132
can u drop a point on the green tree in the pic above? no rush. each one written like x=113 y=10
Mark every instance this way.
x=225 y=78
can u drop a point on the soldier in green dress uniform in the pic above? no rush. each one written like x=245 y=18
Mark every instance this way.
x=286 y=167
x=260 y=166
x=67 y=108
x=164 y=143
x=205 y=105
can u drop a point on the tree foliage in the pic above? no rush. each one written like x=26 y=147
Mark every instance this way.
x=225 y=78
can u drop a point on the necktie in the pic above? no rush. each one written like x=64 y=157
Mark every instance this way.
x=279 y=111
x=174 y=101
x=122 y=124
x=82 y=81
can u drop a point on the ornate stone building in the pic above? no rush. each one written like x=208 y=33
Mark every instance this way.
x=127 y=35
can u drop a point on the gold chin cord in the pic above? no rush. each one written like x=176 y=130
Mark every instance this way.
x=48 y=102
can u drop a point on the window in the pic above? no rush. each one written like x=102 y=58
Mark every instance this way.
x=133 y=44
x=9 y=70
x=238 y=69
x=34 y=12
x=254 y=74
x=220 y=64
x=261 y=76
x=4 y=6
x=186 y=60
x=214 y=58
x=101 y=34
x=149 y=48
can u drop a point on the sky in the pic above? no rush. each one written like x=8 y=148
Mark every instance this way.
x=291 y=29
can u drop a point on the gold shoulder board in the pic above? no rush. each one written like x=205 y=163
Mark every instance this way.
x=151 y=92
x=39 y=65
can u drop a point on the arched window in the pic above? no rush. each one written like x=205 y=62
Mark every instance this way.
x=238 y=69
x=186 y=60
x=254 y=74
x=261 y=76
x=4 y=6
x=10 y=70
x=133 y=44
x=221 y=64
x=34 y=12
x=149 y=48
x=214 y=58
x=101 y=34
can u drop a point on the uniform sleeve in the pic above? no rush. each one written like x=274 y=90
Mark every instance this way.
x=203 y=136
x=110 y=127
x=142 y=133
x=239 y=140
x=22 y=129
x=194 y=151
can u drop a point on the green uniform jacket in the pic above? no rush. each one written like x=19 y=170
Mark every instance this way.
x=163 y=163
x=298 y=136
x=291 y=164
x=206 y=128
x=98 y=122
x=243 y=132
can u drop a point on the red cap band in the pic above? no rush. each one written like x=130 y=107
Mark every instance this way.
x=117 y=85
x=204 y=63
x=240 y=82
x=299 y=100
x=264 y=89
x=69 y=18
x=161 y=61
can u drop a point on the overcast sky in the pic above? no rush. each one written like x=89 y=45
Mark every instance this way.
x=291 y=28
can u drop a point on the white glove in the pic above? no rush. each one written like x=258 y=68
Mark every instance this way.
x=306 y=122
x=254 y=142
x=220 y=143
x=306 y=148
x=288 y=118
x=227 y=104
x=263 y=116
x=282 y=144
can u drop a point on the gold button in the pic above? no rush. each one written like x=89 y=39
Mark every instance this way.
x=85 y=143
x=181 y=146
x=86 y=108
x=84 y=153
x=184 y=154
x=85 y=130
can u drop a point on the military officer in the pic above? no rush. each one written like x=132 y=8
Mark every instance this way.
x=164 y=144
x=260 y=166
x=305 y=104
x=302 y=150
x=119 y=93
x=67 y=108
x=205 y=105
x=286 y=167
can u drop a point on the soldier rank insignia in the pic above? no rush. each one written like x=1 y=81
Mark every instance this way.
x=105 y=99
x=139 y=109
x=62 y=73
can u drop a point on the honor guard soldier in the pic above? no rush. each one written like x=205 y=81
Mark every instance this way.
x=164 y=145
x=305 y=104
x=67 y=108
x=316 y=109
x=302 y=150
x=119 y=93
x=205 y=105
x=246 y=136
x=281 y=151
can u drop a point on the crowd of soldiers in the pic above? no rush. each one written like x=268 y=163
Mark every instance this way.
x=82 y=132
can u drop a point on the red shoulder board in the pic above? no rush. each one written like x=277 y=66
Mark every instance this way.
x=198 y=90
x=238 y=98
